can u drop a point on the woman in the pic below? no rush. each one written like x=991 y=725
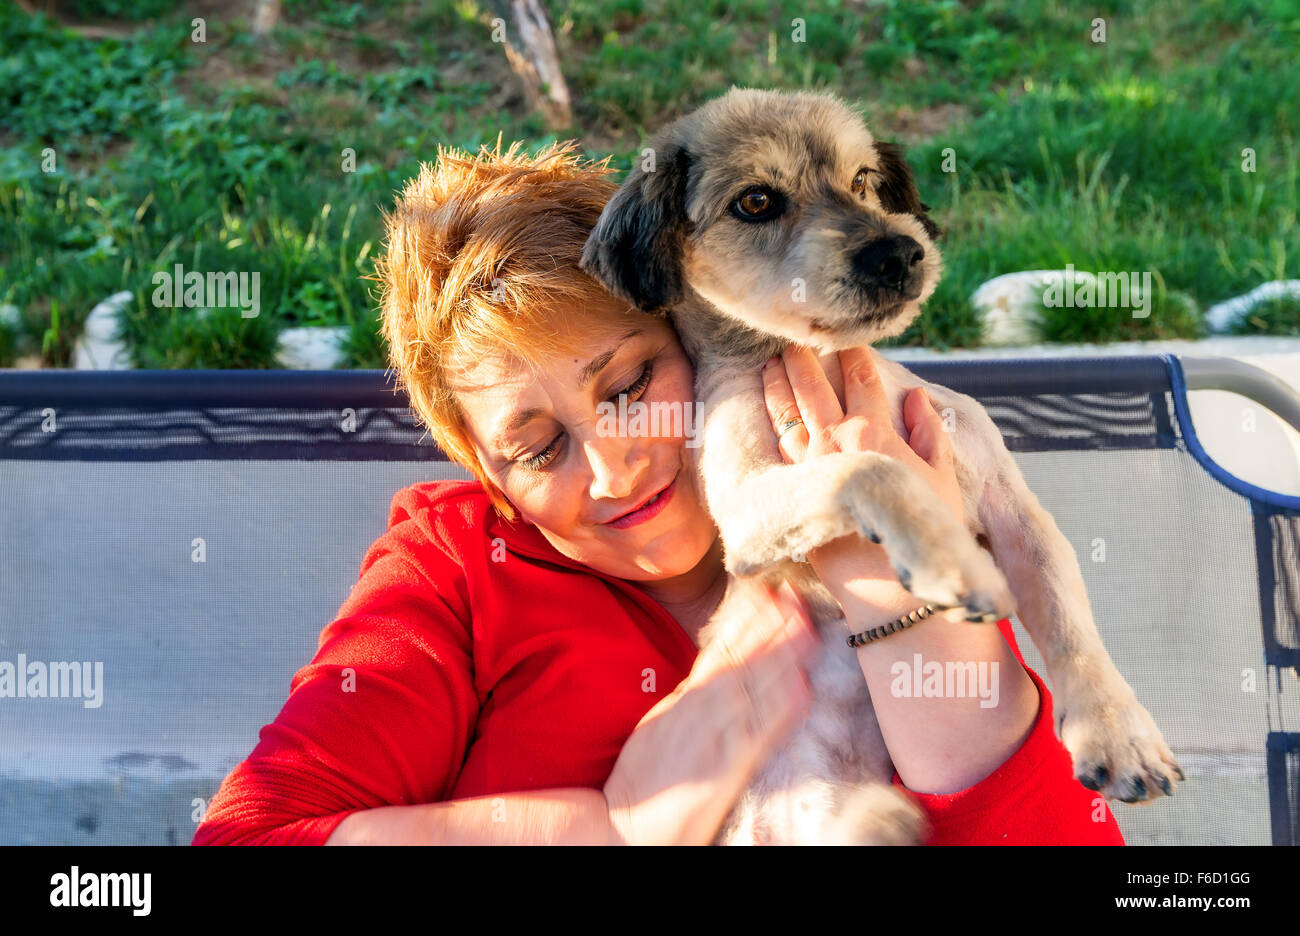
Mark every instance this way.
x=517 y=661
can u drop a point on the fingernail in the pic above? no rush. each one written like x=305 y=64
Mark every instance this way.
x=770 y=361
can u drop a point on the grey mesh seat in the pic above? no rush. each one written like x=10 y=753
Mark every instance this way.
x=193 y=532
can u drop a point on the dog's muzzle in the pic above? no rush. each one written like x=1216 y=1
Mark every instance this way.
x=890 y=263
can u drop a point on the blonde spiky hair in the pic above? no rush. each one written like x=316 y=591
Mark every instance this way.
x=481 y=257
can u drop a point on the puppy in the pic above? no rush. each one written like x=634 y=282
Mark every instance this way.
x=769 y=218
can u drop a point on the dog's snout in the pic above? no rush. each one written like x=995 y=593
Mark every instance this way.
x=887 y=261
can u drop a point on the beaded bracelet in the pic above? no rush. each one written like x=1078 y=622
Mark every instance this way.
x=879 y=633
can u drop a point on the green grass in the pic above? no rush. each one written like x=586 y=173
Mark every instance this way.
x=228 y=155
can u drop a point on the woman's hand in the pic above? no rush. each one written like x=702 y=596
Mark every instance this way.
x=795 y=385
x=692 y=755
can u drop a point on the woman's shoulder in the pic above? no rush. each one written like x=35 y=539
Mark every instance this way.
x=433 y=520
x=454 y=501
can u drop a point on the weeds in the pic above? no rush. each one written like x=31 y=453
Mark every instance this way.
x=234 y=154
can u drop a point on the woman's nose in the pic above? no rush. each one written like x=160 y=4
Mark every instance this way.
x=617 y=465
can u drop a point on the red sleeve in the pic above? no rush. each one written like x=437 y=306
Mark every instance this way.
x=1031 y=799
x=381 y=716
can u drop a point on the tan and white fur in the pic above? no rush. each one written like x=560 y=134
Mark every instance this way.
x=841 y=253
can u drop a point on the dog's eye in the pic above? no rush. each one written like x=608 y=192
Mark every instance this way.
x=859 y=184
x=756 y=204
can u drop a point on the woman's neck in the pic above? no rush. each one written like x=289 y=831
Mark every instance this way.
x=693 y=596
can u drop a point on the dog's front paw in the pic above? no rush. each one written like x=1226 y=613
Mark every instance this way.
x=875 y=814
x=935 y=558
x=1116 y=746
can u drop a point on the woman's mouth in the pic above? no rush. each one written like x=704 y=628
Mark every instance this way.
x=647 y=511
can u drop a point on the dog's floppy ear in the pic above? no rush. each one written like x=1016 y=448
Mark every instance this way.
x=635 y=250
x=897 y=188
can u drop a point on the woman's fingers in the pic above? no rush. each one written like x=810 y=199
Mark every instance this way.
x=782 y=409
x=754 y=668
x=753 y=617
x=818 y=404
x=926 y=434
x=769 y=673
x=864 y=393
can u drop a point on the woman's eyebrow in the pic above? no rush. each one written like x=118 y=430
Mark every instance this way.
x=599 y=362
x=593 y=367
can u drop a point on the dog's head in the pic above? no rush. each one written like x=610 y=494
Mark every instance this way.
x=783 y=212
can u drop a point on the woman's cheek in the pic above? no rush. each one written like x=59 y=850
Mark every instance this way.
x=679 y=389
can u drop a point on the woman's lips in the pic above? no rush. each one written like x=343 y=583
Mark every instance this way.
x=649 y=511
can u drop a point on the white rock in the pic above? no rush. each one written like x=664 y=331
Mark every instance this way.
x=1221 y=316
x=98 y=347
x=311 y=348
x=1010 y=306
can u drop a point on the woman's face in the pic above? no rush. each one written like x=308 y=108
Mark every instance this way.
x=582 y=479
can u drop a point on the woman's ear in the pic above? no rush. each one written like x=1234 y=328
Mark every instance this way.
x=897 y=188
x=635 y=250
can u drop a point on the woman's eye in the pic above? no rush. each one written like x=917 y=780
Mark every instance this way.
x=859 y=184
x=547 y=455
x=543 y=458
x=637 y=386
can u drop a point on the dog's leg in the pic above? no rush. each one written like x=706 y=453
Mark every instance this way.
x=1114 y=741
x=768 y=511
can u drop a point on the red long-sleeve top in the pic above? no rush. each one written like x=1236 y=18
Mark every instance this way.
x=473 y=658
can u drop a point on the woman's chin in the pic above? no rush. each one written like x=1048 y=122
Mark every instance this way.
x=674 y=553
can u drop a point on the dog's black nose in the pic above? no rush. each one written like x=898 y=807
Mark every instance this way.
x=887 y=261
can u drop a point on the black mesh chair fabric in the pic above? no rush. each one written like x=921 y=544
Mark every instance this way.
x=188 y=534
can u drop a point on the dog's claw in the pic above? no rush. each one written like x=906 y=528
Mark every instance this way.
x=1094 y=778
x=980 y=609
x=1137 y=791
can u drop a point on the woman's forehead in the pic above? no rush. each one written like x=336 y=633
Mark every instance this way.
x=492 y=384
x=574 y=341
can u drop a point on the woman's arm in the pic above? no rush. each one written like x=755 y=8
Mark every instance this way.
x=679 y=772
x=995 y=775
x=575 y=816
x=944 y=743
x=939 y=743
